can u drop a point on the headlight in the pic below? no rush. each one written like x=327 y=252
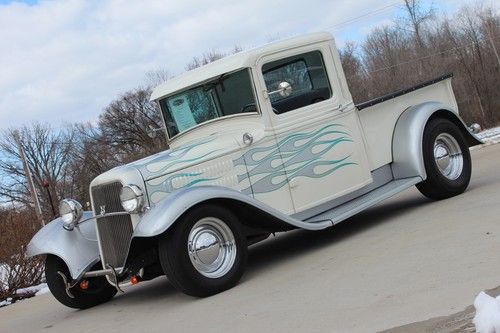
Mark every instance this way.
x=71 y=212
x=131 y=198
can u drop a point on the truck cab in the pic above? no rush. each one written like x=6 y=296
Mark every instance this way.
x=281 y=116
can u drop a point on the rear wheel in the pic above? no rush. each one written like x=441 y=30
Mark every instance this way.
x=86 y=294
x=205 y=252
x=447 y=160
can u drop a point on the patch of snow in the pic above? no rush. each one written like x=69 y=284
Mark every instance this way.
x=491 y=135
x=8 y=301
x=36 y=290
x=487 y=318
x=44 y=290
x=33 y=290
x=4 y=270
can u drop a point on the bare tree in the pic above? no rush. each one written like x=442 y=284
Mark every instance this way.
x=417 y=15
x=47 y=154
x=205 y=59
x=354 y=71
x=16 y=270
x=467 y=45
x=157 y=77
x=211 y=56
x=127 y=124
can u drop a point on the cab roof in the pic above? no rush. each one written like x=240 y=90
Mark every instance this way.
x=234 y=62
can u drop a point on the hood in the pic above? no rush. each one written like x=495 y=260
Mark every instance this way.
x=187 y=155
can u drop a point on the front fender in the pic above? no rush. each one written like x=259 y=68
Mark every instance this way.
x=166 y=212
x=78 y=248
x=408 y=137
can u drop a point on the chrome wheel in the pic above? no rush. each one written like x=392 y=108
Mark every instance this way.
x=448 y=156
x=211 y=247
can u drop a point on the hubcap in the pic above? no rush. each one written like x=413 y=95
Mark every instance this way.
x=448 y=156
x=211 y=247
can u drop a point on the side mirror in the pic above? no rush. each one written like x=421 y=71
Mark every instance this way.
x=284 y=89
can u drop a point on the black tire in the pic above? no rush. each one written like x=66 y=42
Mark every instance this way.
x=437 y=186
x=99 y=290
x=176 y=262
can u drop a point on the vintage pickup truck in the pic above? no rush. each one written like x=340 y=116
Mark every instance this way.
x=264 y=141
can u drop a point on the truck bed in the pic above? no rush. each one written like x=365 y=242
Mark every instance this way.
x=402 y=92
x=379 y=116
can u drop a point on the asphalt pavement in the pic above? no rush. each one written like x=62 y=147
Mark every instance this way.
x=403 y=261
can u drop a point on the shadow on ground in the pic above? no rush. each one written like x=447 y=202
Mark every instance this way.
x=300 y=242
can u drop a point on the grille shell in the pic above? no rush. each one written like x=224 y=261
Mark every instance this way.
x=115 y=232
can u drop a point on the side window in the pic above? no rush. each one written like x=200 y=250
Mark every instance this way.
x=296 y=81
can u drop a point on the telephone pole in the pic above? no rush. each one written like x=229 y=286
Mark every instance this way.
x=27 y=172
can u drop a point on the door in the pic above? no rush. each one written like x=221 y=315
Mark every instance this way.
x=320 y=144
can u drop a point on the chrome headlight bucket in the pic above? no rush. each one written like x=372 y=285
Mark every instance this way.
x=132 y=198
x=71 y=212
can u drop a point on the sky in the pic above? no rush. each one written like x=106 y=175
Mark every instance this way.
x=64 y=61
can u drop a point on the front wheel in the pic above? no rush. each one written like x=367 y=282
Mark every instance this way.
x=82 y=295
x=205 y=252
x=447 y=160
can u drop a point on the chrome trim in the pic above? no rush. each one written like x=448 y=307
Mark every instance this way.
x=114 y=229
x=113 y=278
x=102 y=272
x=95 y=217
x=67 y=285
x=139 y=196
x=211 y=247
x=247 y=138
x=75 y=209
x=448 y=156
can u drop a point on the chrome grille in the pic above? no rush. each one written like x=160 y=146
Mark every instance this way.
x=115 y=232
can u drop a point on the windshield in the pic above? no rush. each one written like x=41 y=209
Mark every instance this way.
x=225 y=95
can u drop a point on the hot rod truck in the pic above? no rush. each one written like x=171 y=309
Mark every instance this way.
x=264 y=141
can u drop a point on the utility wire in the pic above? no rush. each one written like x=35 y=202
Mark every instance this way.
x=338 y=26
x=425 y=57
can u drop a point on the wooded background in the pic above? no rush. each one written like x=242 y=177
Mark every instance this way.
x=417 y=46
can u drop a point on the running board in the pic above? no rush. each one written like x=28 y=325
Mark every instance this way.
x=350 y=208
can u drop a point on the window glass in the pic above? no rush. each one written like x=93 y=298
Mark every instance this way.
x=306 y=79
x=225 y=95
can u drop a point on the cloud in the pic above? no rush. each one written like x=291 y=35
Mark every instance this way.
x=64 y=61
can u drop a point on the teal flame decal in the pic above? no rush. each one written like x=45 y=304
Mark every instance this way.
x=163 y=162
x=167 y=185
x=297 y=155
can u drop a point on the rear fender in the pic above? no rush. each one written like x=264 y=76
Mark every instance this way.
x=408 y=137
x=78 y=248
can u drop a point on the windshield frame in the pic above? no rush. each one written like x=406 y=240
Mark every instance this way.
x=211 y=121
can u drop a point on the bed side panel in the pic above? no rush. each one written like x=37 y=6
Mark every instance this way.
x=378 y=121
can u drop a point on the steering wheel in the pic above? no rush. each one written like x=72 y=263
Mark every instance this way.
x=248 y=108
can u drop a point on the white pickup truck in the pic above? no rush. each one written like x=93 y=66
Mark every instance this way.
x=263 y=141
